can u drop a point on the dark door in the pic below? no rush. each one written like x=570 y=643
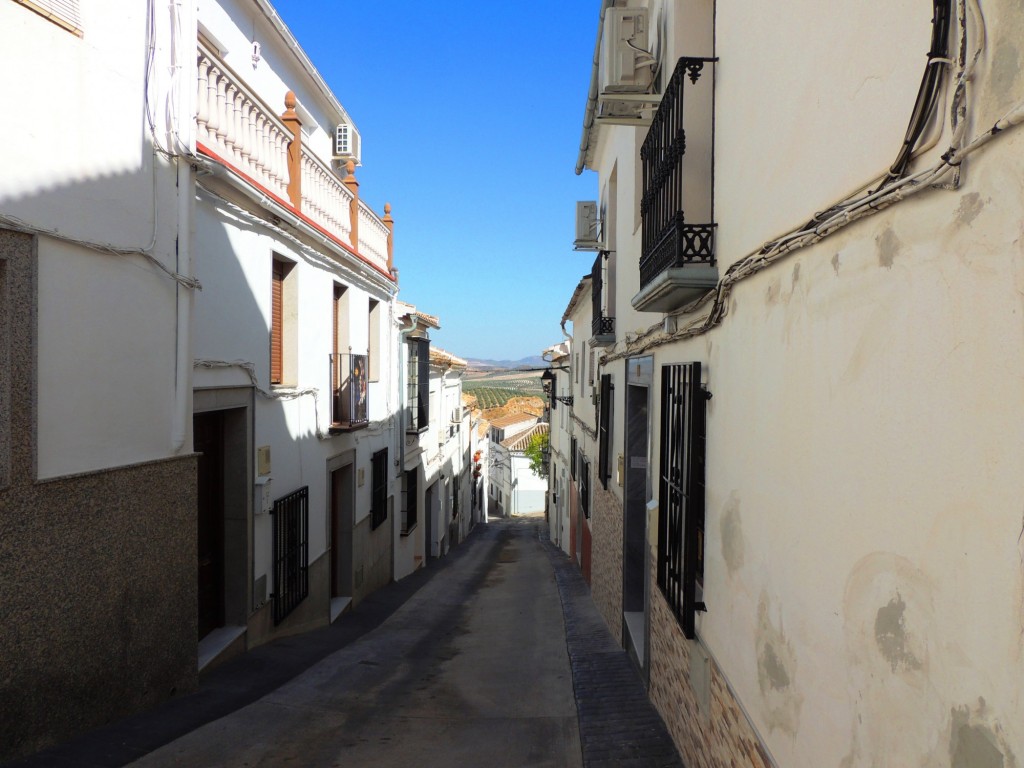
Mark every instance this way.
x=208 y=429
x=341 y=532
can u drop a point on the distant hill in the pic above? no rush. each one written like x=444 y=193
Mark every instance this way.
x=527 y=362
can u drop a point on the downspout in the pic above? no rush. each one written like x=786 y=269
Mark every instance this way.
x=183 y=330
x=591 y=110
x=180 y=428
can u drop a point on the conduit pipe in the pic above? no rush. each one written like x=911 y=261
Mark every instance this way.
x=183 y=325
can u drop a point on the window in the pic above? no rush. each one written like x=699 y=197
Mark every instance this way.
x=283 y=322
x=604 y=470
x=681 y=492
x=410 y=507
x=291 y=552
x=373 y=347
x=572 y=458
x=379 y=489
x=456 y=493
x=63 y=13
x=584 y=478
x=418 y=392
x=592 y=368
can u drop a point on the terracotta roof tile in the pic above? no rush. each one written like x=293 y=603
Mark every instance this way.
x=520 y=441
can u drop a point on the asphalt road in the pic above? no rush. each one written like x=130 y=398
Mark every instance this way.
x=471 y=670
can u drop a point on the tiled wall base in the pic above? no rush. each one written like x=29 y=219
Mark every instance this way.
x=705 y=720
x=606 y=573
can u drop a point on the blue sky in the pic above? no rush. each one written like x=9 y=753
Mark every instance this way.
x=470 y=116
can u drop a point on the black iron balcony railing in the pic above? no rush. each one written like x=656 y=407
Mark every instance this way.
x=349 y=392
x=602 y=326
x=672 y=187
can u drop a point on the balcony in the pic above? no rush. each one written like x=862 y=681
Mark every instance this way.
x=602 y=325
x=238 y=128
x=349 y=392
x=677 y=261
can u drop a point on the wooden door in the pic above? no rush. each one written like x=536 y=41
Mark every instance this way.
x=208 y=429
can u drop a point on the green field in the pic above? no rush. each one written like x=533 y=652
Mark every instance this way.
x=494 y=391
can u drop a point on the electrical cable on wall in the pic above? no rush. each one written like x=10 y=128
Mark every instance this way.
x=889 y=192
x=284 y=394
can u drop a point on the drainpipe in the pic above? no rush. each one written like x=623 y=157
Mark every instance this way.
x=182 y=45
x=183 y=266
x=591 y=110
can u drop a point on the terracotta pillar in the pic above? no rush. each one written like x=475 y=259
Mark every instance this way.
x=353 y=207
x=390 y=224
x=294 y=124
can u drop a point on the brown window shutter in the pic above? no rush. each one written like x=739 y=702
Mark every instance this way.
x=336 y=318
x=276 y=320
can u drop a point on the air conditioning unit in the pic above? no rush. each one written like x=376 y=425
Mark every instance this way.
x=347 y=144
x=626 y=61
x=587 y=226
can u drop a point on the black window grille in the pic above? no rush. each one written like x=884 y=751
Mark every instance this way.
x=411 y=509
x=572 y=458
x=584 y=473
x=681 y=491
x=418 y=392
x=670 y=238
x=291 y=552
x=604 y=431
x=379 y=510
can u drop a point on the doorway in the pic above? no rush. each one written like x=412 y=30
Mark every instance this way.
x=208 y=439
x=342 y=517
x=639 y=375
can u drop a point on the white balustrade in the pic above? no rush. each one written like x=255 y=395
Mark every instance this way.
x=373 y=236
x=324 y=198
x=239 y=127
x=247 y=133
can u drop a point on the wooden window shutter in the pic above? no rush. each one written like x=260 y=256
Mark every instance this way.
x=276 y=321
x=336 y=319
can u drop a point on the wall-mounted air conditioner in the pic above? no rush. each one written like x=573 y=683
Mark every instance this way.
x=347 y=145
x=588 y=227
x=626 y=62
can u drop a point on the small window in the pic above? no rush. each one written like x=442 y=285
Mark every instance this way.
x=63 y=13
x=379 y=509
x=418 y=388
x=680 y=562
x=584 y=489
x=283 y=323
x=410 y=500
x=291 y=552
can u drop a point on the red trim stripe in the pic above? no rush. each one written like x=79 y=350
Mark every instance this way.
x=205 y=150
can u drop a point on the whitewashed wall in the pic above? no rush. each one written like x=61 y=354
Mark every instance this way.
x=863 y=573
x=77 y=160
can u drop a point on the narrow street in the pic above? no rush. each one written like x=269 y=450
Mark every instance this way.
x=473 y=669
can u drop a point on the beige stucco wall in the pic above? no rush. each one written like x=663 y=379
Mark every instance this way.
x=864 y=575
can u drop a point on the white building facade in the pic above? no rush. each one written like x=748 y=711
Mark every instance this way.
x=296 y=342
x=801 y=564
x=97 y=476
